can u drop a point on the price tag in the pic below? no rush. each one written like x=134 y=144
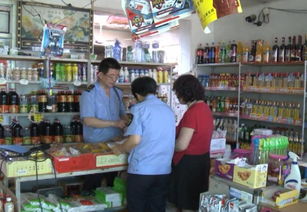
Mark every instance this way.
x=77 y=83
x=37 y=117
x=3 y=81
x=24 y=82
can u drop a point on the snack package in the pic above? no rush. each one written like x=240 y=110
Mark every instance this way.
x=139 y=15
x=53 y=39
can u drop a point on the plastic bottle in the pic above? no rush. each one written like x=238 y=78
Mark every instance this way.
x=13 y=99
x=2 y=140
x=293 y=180
x=266 y=52
x=78 y=131
x=126 y=75
x=9 y=205
x=16 y=133
x=234 y=50
x=57 y=130
x=34 y=133
x=75 y=71
x=4 y=107
x=47 y=133
x=121 y=78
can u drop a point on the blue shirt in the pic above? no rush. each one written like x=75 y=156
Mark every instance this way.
x=96 y=103
x=154 y=121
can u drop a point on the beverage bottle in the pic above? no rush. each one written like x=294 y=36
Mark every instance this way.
x=126 y=75
x=199 y=54
x=73 y=129
x=288 y=50
x=2 y=138
x=217 y=53
x=293 y=49
x=299 y=49
x=57 y=68
x=222 y=56
x=228 y=52
x=78 y=131
x=33 y=103
x=266 y=52
x=252 y=55
x=212 y=54
x=47 y=133
x=155 y=75
x=282 y=51
x=245 y=57
x=16 y=132
x=259 y=50
x=67 y=134
x=84 y=73
x=42 y=101
x=4 y=106
x=13 y=99
x=58 y=133
x=23 y=104
x=206 y=53
x=34 y=133
x=234 y=50
x=165 y=76
x=61 y=101
x=305 y=49
x=240 y=52
x=9 y=205
x=69 y=102
x=62 y=73
x=75 y=72
x=26 y=136
x=68 y=72
x=275 y=51
x=77 y=95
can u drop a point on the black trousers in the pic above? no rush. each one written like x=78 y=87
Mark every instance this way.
x=147 y=193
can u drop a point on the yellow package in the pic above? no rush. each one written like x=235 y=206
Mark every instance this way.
x=251 y=176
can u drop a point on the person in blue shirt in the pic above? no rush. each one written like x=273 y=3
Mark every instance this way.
x=151 y=144
x=101 y=106
x=102 y=113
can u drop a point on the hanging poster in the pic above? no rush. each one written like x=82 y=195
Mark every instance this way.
x=211 y=10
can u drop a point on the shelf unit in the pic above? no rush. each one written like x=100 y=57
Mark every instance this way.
x=19 y=180
x=240 y=68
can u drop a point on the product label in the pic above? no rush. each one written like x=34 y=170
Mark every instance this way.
x=17 y=140
x=2 y=141
x=35 y=140
x=23 y=108
x=47 y=139
x=4 y=108
x=58 y=139
x=14 y=109
x=8 y=141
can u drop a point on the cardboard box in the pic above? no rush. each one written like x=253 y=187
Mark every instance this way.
x=111 y=160
x=224 y=169
x=26 y=168
x=251 y=176
x=81 y=162
x=242 y=195
x=286 y=197
x=109 y=197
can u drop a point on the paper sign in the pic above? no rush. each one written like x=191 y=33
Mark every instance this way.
x=218 y=145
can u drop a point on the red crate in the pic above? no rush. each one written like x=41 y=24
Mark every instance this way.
x=63 y=164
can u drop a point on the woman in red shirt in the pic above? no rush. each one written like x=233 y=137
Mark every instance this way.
x=191 y=161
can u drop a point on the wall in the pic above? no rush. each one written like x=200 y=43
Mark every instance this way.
x=234 y=27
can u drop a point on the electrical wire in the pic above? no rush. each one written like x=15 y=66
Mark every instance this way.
x=302 y=11
x=91 y=2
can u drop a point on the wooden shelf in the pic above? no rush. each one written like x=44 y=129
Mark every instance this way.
x=22 y=58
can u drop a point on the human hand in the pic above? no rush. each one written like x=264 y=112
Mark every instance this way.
x=116 y=150
x=120 y=124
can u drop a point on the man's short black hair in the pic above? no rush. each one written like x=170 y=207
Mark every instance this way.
x=188 y=88
x=143 y=86
x=108 y=63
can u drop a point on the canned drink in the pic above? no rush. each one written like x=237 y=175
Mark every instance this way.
x=84 y=72
x=68 y=72
x=75 y=70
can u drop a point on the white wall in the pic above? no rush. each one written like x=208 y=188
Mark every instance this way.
x=234 y=27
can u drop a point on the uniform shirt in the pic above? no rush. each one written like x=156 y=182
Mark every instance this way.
x=96 y=103
x=154 y=121
x=198 y=117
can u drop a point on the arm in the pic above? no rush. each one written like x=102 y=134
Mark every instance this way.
x=184 y=139
x=127 y=146
x=98 y=123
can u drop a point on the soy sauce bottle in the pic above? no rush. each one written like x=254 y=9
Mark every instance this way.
x=57 y=129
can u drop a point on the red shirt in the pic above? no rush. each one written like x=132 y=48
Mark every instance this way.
x=199 y=118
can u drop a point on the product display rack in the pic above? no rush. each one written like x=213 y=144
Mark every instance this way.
x=37 y=84
x=19 y=180
x=240 y=68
